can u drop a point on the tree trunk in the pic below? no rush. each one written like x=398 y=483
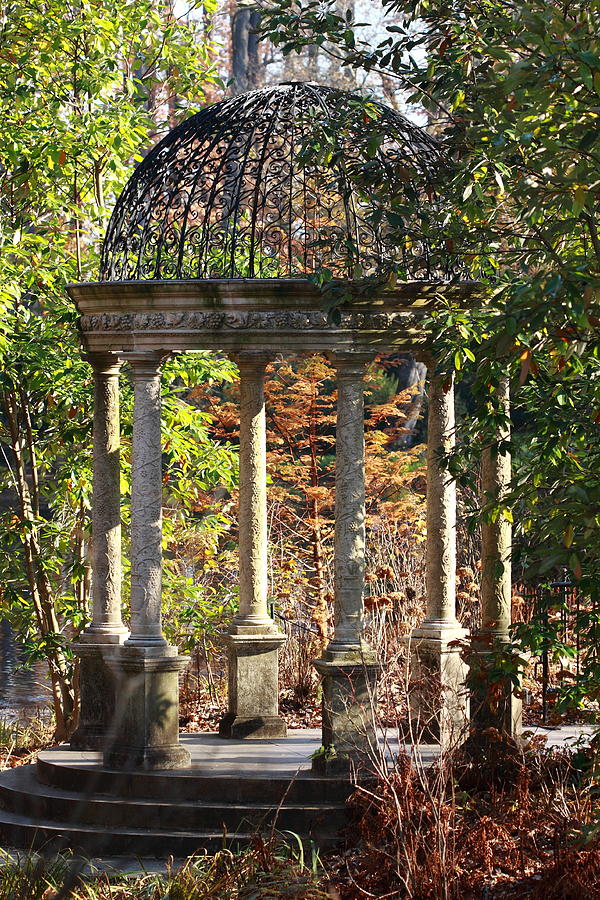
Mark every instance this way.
x=245 y=64
x=411 y=374
x=63 y=693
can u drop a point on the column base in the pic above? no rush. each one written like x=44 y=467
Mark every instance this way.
x=494 y=704
x=97 y=693
x=253 y=684
x=149 y=759
x=145 y=733
x=104 y=634
x=438 y=696
x=257 y=727
x=349 y=738
x=327 y=762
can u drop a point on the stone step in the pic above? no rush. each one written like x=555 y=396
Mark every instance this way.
x=23 y=794
x=62 y=769
x=53 y=837
x=232 y=788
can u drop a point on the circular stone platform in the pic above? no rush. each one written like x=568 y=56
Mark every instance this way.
x=69 y=801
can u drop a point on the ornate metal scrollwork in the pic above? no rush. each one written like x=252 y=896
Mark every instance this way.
x=277 y=183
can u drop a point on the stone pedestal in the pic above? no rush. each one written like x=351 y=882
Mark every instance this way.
x=97 y=693
x=253 y=687
x=349 y=709
x=438 y=698
x=493 y=704
x=145 y=731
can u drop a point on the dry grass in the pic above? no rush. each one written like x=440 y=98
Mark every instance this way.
x=512 y=823
x=265 y=871
x=423 y=833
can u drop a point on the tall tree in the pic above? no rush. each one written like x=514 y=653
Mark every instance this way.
x=246 y=69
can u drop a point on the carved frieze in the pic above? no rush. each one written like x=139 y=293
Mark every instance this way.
x=263 y=320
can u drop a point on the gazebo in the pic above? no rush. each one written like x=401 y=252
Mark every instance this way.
x=211 y=246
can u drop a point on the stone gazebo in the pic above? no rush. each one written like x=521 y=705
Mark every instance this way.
x=209 y=248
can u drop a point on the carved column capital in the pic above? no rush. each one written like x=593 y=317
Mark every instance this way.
x=351 y=364
x=146 y=363
x=251 y=362
x=106 y=364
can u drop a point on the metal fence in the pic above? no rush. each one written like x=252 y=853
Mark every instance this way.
x=556 y=607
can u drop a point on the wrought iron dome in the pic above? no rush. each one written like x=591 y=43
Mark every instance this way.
x=277 y=183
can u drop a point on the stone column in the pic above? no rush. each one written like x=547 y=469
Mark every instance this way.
x=504 y=711
x=146 y=730
x=253 y=640
x=438 y=700
x=348 y=667
x=97 y=693
x=146 y=504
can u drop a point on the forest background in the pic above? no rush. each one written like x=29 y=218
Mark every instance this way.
x=86 y=88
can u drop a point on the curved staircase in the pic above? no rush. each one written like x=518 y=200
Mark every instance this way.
x=67 y=800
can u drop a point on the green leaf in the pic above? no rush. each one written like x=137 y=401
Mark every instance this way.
x=589 y=138
x=568 y=535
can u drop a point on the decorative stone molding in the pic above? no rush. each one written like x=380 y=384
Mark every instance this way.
x=259 y=320
x=231 y=315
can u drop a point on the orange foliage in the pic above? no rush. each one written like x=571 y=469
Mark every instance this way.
x=301 y=401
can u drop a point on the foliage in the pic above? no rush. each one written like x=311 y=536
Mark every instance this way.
x=82 y=87
x=511 y=90
x=20 y=741
x=44 y=572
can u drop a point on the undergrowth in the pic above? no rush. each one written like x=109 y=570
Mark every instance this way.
x=510 y=823
x=20 y=740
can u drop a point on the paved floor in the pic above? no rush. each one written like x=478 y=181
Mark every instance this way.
x=562 y=735
x=211 y=755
